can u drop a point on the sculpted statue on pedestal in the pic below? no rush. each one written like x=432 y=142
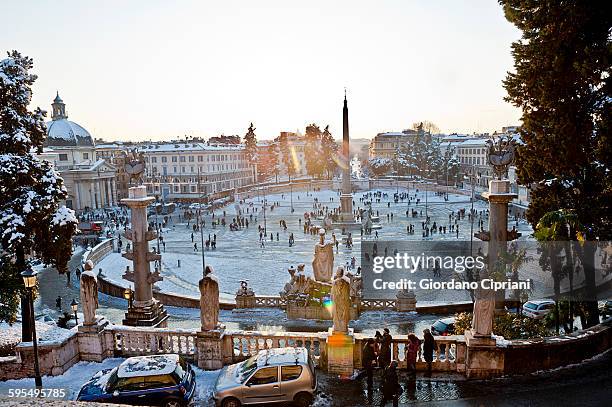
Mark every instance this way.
x=89 y=294
x=209 y=300
x=323 y=262
x=341 y=299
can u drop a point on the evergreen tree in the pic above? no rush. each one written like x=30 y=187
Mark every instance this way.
x=33 y=224
x=287 y=155
x=562 y=82
x=330 y=152
x=250 y=149
x=313 y=151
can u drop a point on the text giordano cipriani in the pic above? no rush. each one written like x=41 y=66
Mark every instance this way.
x=459 y=264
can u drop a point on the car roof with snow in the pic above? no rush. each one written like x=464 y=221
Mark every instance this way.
x=539 y=302
x=148 y=365
x=282 y=356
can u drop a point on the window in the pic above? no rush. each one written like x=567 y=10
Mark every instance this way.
x=85 y=156
x=63 y=157
x=129 y=383
x=153 y=159
x=174 y=159
x=156 y=381
x=191 y=158
x=290 y=372
x=182 y=159
x=266 y=375
x=164 y=159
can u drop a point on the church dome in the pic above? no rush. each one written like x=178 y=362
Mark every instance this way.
x=62 y=132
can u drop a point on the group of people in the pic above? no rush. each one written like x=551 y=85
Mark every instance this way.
x=376 y=354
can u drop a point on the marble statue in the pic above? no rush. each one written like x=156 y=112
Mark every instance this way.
x=323 y=262
x=482 y=320
x=89 y=294
x=209 y=300
x=341 y=299
x=500 y=154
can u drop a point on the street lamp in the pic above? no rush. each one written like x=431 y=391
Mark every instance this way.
x=75 y=306
x=127 y=294
x=29 y=280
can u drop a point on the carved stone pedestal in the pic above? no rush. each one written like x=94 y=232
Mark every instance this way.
x=340 y=348
x=405 y=301
x=210 y=349
x=483 y=358
x=245 y=301
x=152 y=315
x=94 y=343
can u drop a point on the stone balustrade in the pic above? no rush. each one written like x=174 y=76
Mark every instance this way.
x=448 y=357
x=247 y=343
x=149 y=341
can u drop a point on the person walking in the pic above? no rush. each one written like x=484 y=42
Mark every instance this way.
x=429 y=345
x=390 y=387
x=58 y=303
x=369 y=360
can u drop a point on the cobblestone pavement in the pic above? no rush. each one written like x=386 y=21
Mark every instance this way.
x=588 y=384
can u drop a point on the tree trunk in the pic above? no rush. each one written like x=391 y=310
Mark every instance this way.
x=588 y=257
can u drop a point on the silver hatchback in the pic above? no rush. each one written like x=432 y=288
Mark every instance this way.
x=272 y=376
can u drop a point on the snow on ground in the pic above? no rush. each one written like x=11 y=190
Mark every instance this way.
x=73 y=379
x=45 y=333
x=239 y=255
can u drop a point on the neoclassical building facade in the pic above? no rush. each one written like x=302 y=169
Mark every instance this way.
x=90 y=182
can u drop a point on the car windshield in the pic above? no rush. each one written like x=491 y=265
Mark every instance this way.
x=181 y=369
x=439 y=326
x=530 y=305
x=247 y=368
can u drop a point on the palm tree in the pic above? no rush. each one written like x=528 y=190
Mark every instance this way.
x=560 y=226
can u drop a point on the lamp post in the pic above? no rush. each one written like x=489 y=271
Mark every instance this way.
x=74 y=305
x=29 y=280
x=127 y=294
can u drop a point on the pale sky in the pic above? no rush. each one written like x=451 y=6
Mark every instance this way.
x=157 y=70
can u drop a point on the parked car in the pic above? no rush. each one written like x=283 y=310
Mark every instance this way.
x=605 y=308
x=158 y=380
x=272 y=376
x=443 y=327
x=538 y=309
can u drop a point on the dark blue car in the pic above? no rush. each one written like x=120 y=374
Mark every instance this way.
x=159 y=380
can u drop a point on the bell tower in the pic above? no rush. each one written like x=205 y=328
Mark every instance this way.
x=59 y=108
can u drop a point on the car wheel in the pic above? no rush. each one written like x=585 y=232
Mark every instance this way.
x=303 y=399
x=174 y=403
x=230 y=402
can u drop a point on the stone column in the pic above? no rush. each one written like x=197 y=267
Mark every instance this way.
x=145 y=311
x=483 y=358
x=92 y=201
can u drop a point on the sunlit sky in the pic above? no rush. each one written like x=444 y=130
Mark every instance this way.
x=158 y=70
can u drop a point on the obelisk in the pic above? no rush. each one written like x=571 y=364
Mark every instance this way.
x=346 y=197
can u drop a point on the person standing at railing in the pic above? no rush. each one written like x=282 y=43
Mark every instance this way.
x=412 y=349
x=429 y=345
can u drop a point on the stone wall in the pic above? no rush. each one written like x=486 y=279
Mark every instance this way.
x=54 y=359
x=527 y=356
x=99 y=251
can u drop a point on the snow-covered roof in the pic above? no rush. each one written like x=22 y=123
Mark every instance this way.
x=277 y=356
x=182 y=146
x=63 y=132
x=148 y=365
